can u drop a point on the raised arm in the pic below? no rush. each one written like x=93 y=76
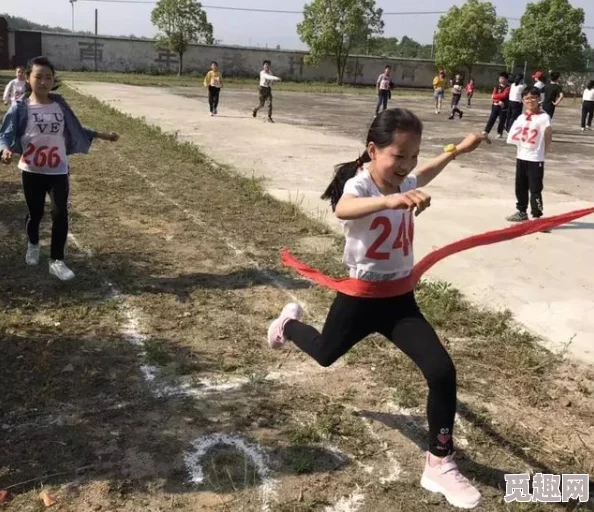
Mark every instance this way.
x=428 y=172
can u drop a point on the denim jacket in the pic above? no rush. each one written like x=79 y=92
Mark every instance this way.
x=78 y=139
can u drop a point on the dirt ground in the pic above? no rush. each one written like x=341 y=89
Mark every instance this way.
x=544 y=280
x=146 y=384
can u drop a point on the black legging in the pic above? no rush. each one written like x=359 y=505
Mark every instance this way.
x=36 y=186
x=399 y=319
x=587 y=113
x=514 y=111
x=213 y=97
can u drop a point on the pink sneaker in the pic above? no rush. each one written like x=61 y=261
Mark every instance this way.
x=276 y=338
x=446 y=479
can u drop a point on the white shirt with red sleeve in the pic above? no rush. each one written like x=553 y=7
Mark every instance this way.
x=528 y=135
x=379 y=247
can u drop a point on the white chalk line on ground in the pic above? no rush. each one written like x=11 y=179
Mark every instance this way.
x=201 y=446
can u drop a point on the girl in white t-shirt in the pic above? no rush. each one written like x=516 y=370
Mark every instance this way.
x=16 y=88
x=375 y=203
x=44 y=130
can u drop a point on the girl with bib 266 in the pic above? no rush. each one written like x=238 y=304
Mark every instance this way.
x=42 y=128
x=374 y=198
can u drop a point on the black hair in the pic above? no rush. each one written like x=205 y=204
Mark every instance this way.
x=266 y=62
x=518 y=79
x=555 y=76
x=504 y=74
x=531 y=91
x=41 y=61
x=381 y=133
x=215 y=63
x=590 y=85
x=388 y=66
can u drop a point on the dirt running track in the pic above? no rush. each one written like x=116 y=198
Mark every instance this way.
x=545 y=280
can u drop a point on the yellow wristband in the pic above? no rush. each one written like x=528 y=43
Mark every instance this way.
x=450 y=148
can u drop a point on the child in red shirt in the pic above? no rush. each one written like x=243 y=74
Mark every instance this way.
x=469 y=90
x=500 y=98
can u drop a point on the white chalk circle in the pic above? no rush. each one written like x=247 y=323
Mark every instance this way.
x=202 y=445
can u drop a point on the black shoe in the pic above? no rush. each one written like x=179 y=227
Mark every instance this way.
x=270 y=120
x=518 y=217
x=254 y=113
x=451 y=117
x=461 y=114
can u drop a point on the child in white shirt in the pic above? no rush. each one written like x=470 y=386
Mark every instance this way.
x=16 y=88
x=266 y=79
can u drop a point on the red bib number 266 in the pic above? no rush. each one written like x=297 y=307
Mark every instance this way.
x=403 y=240
x=43 y=156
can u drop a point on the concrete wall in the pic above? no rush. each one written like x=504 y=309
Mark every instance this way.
x=73 y=52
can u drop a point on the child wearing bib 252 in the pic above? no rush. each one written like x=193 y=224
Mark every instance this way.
x=42 y=128
x=375 y=203
x=532 y=134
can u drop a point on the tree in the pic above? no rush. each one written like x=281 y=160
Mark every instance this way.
x=335 y=27
x=467 y=35
x=550 y=37
x=180 y=23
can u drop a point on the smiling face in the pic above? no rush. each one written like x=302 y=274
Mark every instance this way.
x=390 y=165
x=531 y=102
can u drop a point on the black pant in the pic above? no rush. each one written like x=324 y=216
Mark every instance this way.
x=529 y=180
x=382 y=100
x=213 y=97
x=514 y=111
x=549 y=108
x=399 y=319
x=265 y=96
x=455 y=103
x=587 y=113
x=469 y=98
x=36 y=186
x=497 y=112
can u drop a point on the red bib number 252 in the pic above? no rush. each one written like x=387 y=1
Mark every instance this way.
x=525 y=134
x=404 y=237
x=43 y=156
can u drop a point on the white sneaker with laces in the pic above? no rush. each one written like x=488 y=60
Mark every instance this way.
x=59 y=269
x=32 y=256
x=276 y=336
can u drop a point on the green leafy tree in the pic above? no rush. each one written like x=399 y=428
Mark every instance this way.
x=180 y=23
x=550 y=37
x=468 y=34
x=333 y=28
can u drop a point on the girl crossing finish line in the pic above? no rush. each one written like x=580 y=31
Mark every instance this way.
x=375 y=203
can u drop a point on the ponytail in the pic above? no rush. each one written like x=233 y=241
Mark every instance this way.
x=342 y=174
x=381 y=132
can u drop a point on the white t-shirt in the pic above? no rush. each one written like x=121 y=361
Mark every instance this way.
x=379 y=247
x=383 y=82
x=588 y=95
x=528 y=134
x=266 y=79
x=44 y=147
x=14 y=90
x=515 y=92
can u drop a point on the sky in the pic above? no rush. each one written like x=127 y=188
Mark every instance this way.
x=251 y=28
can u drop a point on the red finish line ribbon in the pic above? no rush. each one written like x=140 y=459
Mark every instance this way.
x=383 y=289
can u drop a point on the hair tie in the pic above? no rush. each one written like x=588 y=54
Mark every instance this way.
x=359 y=163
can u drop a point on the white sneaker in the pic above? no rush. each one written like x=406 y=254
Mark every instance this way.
x=32 y=256
x=583 y=129
x=276 y=337
x=445 y=478
x=59 y=269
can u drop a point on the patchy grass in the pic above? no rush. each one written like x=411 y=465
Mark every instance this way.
x=74 y=402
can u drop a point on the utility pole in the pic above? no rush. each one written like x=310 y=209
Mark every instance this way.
x=72 y=4
x=96 y=32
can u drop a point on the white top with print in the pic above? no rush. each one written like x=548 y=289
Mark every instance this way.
x=528 y=134
x=379 y=247
x=383 y=81
x=14 y=90
x=44 y=147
